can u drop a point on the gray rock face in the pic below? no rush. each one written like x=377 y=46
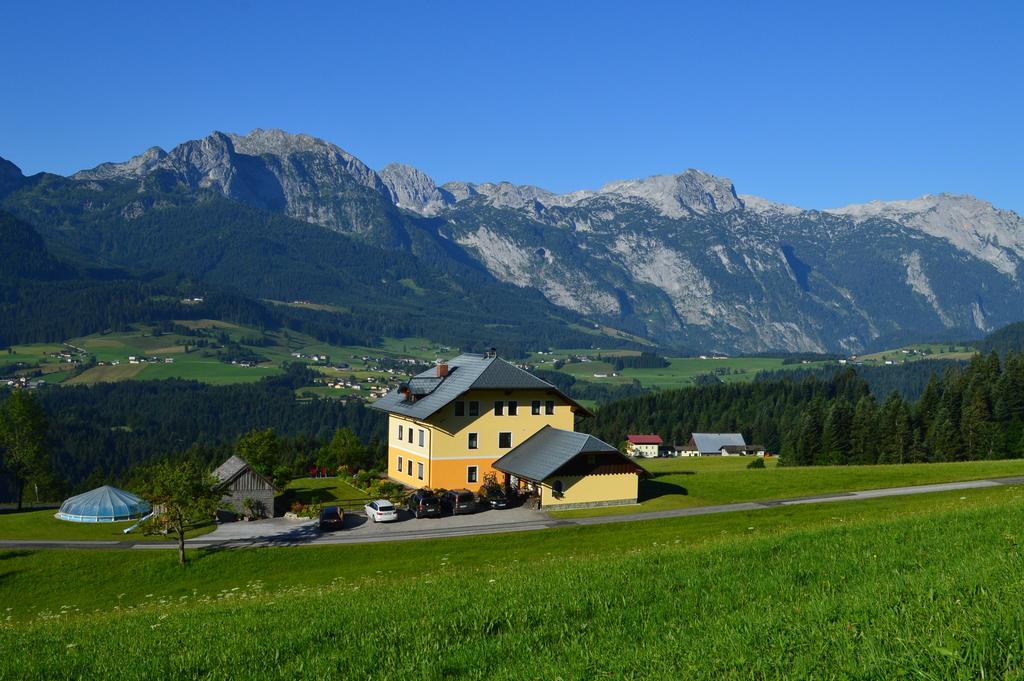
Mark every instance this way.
x=683 y=259
x=414 y=190
x=680 y=195
x=136 y=166
x=302 y=176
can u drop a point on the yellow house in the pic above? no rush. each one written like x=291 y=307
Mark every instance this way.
x=448 y=425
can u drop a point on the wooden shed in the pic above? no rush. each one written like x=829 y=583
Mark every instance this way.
x=237 y=482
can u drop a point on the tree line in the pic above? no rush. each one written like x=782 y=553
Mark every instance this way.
x=102 y=433
x=969 y=412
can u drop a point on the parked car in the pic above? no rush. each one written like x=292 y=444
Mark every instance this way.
x=458 y=501
x=331 y=518
x=494 y=496
x=381 y=511
x=424 y=503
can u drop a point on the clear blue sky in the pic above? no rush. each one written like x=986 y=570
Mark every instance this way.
x=818 y=104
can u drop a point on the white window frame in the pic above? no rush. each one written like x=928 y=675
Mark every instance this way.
x=419 y=470
x=472 y=440
x=423 y=438
x=549 y=408
x=500 y=446
x=401 y=467
x=499 y=407
x=512 y=407
x=472 y=474
x=401 y=433
x=536 y=408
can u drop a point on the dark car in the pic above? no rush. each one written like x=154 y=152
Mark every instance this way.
x=494 y=497
x=424 y=504
x=458 y=501
x=331 y=518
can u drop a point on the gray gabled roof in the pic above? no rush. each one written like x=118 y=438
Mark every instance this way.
x=466 y=372
x=230 y=468
x=234 y=467
x=713 y=442
x=547 y=450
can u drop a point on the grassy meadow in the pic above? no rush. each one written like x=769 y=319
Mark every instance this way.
x=141 y=341
x=681 y=372
x=325 y=491
x=40 y=524
x=685 y=482
x=915 y=587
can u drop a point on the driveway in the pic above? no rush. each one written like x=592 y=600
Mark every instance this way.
x=359 y=529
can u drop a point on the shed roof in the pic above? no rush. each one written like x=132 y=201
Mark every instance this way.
x=547 y=450
x=466 y=372
x=712 y=442
x=233 y=468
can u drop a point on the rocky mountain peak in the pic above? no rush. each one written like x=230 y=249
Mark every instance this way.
x=137 y=166
x=692 y=191
x=414 y=190
x=972 y=225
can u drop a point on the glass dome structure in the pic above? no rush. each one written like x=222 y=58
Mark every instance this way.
x=103 y=505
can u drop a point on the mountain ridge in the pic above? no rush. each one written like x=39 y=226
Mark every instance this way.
x=682 y=259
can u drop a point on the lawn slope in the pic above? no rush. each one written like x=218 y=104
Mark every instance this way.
x=927 y=587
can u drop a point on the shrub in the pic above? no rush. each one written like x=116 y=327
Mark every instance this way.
x=756 y=463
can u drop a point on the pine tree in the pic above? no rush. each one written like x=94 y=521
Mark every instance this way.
x=975 y=431
x=863 y=442
x=835 y=437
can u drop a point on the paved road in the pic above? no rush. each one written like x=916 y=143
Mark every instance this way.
x=280 y=532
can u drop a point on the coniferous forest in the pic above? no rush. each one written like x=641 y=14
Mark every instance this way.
x=970 y=412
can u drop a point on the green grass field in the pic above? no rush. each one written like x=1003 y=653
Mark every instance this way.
x=680 y=373
x=323 y=490
x=924 y=587
x=31 y=524
x=704 y=481
x=199 y=365
x=920 y=351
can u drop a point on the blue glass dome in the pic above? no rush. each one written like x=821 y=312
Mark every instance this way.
x=103 y=505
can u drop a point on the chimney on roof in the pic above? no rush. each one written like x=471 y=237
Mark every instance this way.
x=404 y=389
x=442 y=370
x=493 y=352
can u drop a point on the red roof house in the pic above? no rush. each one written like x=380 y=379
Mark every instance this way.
x=644 y=439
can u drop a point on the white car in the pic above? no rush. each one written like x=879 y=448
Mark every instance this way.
x=381 y=511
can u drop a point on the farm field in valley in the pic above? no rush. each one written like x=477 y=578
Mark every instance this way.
x=685 y=482
x=842 y=591
x=113 y=350
x=918 y=352
x=680 y=373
